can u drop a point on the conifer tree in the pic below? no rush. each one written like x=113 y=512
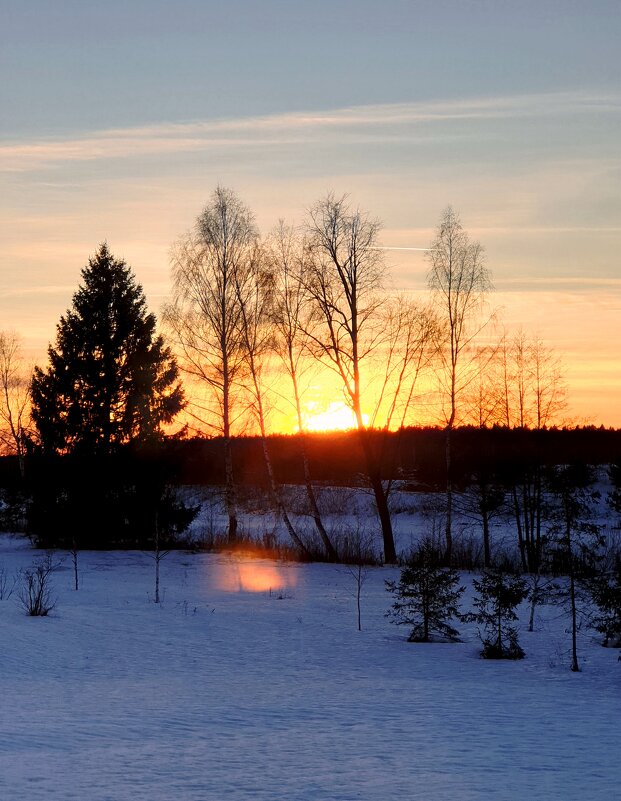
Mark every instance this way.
x=498 y=595
x=110 y=380
x=98 y=410
x=426 y=597
x=605 y=591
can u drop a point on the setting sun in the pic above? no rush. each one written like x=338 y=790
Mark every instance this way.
x=336 y=416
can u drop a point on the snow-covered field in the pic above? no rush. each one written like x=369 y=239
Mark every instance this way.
x=251 y=681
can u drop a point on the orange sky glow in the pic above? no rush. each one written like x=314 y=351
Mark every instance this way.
x=128 y=150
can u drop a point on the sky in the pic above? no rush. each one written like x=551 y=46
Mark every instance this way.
x=119 y=119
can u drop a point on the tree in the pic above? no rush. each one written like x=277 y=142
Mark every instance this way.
x=111 y=385
x=533 y=394
x=575 y=540
x=291 y=340
x=459 y=281
x=210 y=264
x=542 y=589
x=426 y=597
x=15 y=398
x=35 y=595
x=614 y=496
x=481 y=501
x=605 y=591
x=359 y=554
x=343 y=282
x=111 y=380
x=498 y=595
x=255 y=297
x=406 y=350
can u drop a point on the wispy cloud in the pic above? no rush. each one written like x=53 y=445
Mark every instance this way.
x=384 y=122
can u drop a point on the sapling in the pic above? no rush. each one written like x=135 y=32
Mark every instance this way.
x=576 y=540
x=426 y=597
x=360 y=555
x=359 y=573
x=498 y=596
x=541 y=589
x=605 y=592
x=157 y=555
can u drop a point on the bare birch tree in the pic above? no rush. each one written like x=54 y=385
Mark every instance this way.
x=255 y=295
x=343 y=282
x=209 y=265
x=459 y=281
x=534 y=394
x=291 y=323
x=548 y=382
x=15 y=397
x=410 y=344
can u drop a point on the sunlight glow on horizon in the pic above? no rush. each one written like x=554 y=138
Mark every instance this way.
x=337 y=416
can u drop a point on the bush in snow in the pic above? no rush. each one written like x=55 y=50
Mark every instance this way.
x=498 y=595
x=426 y=597
x=35 y=595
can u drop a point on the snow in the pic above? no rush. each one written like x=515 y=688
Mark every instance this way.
x=251 y=681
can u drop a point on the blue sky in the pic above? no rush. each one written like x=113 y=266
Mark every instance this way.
x=83 y=65
x=120 y=118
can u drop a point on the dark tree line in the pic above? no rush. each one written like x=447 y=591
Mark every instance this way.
x=314 y=294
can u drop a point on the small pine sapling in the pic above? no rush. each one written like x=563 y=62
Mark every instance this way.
x=426 y=597
x=605 y=592
x=498 y=596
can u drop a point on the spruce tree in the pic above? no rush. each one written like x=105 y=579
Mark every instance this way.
x=111 y=380
x=498 y=594
x=605 y=591
x=98 y=410
x=426 y=597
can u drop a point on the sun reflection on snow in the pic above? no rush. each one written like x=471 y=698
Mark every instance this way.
x=242 y=572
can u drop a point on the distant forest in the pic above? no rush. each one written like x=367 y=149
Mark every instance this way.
x=415 y=456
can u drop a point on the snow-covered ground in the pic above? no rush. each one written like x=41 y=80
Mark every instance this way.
x=251 y=681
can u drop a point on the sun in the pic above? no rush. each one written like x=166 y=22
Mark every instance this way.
x=336 y=416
